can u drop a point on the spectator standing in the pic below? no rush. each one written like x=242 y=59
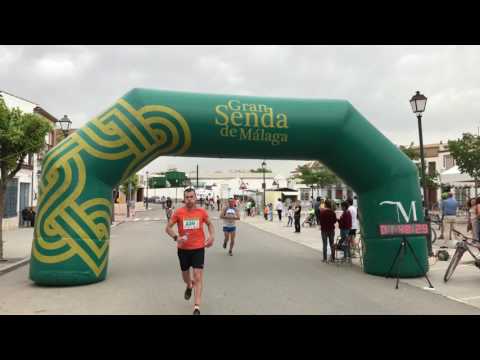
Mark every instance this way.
x=290 y=216
x=473 y=218
x=345 y=225
x=353 y=231
x=328 y=218
x=296 y=216
x=449 y=212
x=316 y=207
x=279 y=208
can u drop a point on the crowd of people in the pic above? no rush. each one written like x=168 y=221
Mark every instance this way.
x=322 y=213
x=28 y=216
x=449 y=211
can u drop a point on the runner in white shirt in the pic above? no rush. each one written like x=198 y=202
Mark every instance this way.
x=229 y=215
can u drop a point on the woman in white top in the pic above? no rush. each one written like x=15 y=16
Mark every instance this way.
x=473 y=218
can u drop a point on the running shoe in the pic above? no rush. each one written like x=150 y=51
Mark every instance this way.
x=230 y=253
x=196 y=311
x=188 y=293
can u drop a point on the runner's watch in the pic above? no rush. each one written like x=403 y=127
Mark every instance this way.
x=175 y=238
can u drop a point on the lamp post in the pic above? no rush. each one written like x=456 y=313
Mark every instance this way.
x=147 y=192
x=264 y=165
x=65 y=124
x=418 y=103
x=128 y=198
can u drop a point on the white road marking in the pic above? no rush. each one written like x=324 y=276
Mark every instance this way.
x=471 y=298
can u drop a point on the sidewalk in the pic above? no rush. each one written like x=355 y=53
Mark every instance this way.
x=464 y=286
x=17 y=246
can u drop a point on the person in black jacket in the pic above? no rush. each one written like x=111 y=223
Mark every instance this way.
x=296 y=216
x=32 y=217
x=26 y=217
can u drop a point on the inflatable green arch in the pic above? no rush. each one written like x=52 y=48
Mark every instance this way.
x=72 y=231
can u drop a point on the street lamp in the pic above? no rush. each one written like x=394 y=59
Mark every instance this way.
x=65 y=124
x=264 y=165
x=147 y=192
x=418 y=103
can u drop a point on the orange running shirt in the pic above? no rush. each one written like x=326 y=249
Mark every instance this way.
x=190 y=223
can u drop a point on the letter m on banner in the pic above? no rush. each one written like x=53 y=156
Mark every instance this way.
x=401 y=210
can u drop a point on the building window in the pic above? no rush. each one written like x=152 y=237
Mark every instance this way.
x=11 y=199
x=431 y=168
x=448 y=162
x=305 y=194
x=338 y=193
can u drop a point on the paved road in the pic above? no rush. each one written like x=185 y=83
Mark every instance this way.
x=267 y=275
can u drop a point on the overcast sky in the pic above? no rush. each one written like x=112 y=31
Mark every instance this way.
x=82 y=81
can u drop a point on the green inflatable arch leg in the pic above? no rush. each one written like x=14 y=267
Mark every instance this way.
x=72 y=231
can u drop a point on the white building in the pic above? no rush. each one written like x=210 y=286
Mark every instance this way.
x=438 y=159
x=22 y=191
x=243 y=183
x=224 y=184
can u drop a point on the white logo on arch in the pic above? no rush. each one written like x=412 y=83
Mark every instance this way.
x=401 y=210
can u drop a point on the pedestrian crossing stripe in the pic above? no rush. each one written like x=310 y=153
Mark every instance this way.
x=157 y=219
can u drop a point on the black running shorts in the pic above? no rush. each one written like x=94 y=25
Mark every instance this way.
x=191 y=258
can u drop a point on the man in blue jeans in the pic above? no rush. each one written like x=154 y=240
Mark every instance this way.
x=449 y=212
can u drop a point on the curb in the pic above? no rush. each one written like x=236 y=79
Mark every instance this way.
x=25 y=261
x=116 y=224
x=12 y=267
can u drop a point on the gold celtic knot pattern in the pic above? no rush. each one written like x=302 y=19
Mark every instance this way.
x=73 y=218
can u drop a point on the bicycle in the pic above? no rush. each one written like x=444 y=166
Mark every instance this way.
x=435 y=220
x=465 y=244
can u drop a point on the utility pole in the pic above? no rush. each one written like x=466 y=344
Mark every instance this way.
x=114 y=196
x=146 y=204
x=128 y=198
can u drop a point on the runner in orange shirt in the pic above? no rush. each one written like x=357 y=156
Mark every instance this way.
x=191 y=242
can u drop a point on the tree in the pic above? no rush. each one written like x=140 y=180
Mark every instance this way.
x=315 y=174
x=466 y=152
x=133 y=180
x=410 y=151
x=326 y=178
x=21 y=134
x=432 y=180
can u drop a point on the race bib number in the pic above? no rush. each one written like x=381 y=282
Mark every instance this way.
x=191 y=224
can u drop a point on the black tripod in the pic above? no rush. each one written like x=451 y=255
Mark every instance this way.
x=403 y=250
